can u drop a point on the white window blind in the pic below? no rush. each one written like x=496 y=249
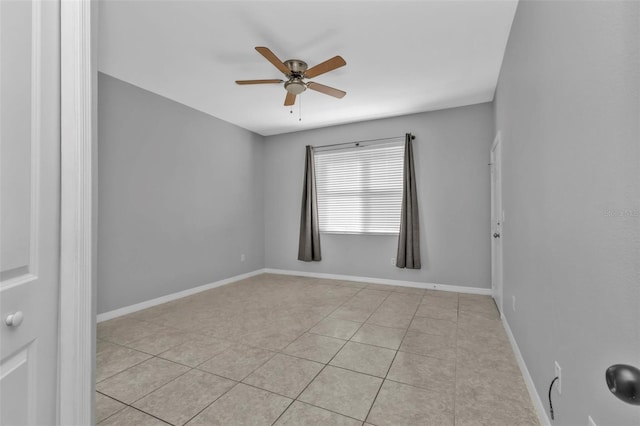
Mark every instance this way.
x=360 y=189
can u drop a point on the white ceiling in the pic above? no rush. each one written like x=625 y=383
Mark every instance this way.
x=402 y=57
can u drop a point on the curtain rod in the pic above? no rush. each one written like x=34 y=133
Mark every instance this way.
x=363 y=141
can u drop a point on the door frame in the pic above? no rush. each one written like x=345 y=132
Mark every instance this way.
x=496 y=221
x=76 y=351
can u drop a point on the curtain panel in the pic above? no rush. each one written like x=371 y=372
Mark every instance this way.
x=409 y=238
x=309 y=242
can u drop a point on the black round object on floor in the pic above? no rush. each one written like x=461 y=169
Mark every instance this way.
x=624 y=382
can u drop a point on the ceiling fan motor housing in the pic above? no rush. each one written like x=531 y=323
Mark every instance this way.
x=296 y=66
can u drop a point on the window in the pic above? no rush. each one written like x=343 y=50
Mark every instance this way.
x=360 y=188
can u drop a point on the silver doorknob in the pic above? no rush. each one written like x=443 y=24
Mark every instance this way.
x=496 y=235
x=14 y=319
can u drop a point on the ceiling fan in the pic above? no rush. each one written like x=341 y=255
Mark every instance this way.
x=296 y=72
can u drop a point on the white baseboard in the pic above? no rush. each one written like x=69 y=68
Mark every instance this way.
x=169 y=297
x=533 y=393
x=414 y=284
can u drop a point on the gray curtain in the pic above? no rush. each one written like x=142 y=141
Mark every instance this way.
x=309 y=243
x=409 y=238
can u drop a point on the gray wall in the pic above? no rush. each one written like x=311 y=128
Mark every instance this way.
x=180 y=197
x=452 y=152
x=567 y=105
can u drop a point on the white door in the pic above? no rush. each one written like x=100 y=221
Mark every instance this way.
x=497 y=217
x=29 y=210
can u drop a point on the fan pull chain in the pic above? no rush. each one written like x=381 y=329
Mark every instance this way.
x=300 y=108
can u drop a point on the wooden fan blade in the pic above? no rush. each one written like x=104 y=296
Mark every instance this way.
x=326 y=90
x=326 y=66
x=258 y=81
x=290 y=99
x=271 y=57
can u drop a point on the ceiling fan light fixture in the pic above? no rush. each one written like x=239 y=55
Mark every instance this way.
x=295 y=86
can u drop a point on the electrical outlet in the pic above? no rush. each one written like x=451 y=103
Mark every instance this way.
x=513 y=303
x=591 y=422
x=558 y=372
x=242 y=257
x=393 y=261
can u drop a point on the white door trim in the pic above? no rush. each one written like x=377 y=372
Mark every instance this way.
x=496 y=141
x=496 y=216
x=77 y=307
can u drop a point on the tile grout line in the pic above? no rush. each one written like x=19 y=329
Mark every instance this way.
x=112 y=414
x=165 y=384
x=121 y=371
x=337 y=352
x=211 y=403
x=321 y=408
x=155 y=389
x=135 y=365
x=393 y=360
x=327 y=363
x=130 y=406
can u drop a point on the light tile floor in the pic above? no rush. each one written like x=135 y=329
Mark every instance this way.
x=288 y=350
